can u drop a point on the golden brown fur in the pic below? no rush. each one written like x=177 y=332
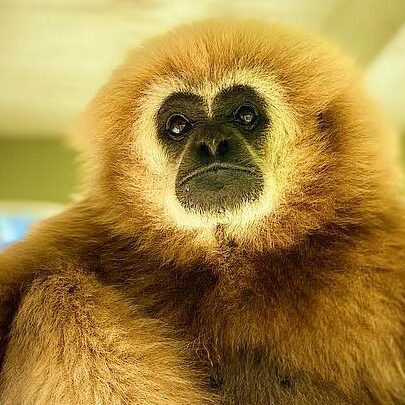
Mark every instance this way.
x=298 y=298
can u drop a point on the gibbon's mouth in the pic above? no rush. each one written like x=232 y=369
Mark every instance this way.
x=215 y=167
x=218 y=187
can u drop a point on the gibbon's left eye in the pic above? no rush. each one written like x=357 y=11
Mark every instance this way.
x=177 y=126
x=247 y=115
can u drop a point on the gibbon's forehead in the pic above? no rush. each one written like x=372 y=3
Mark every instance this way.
x=210 y=50
x=261 y=85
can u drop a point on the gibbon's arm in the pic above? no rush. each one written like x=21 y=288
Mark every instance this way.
x=41 y=251
x=18 y=264
x=68 y=339
x=47 y=249
x=75 y=341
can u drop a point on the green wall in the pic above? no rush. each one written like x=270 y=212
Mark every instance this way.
x=36 y=169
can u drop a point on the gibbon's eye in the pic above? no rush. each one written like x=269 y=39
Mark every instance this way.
x=247 y=115
x=177 y=126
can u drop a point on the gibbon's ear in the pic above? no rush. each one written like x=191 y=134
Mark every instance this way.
x=326 y=121
x=327 y=126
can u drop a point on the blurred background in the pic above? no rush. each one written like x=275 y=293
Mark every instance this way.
x=55 y=54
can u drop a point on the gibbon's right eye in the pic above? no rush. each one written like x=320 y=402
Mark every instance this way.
x=177 y=126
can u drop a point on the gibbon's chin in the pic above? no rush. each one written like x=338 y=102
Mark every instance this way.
x=218 y=189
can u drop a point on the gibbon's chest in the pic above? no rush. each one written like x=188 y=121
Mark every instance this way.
x=251 y=378
x=257 y=328
x=244 y=374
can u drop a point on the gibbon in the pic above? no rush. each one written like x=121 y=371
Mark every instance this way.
x=240 y=236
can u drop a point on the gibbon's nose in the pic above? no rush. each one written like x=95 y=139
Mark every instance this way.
x=213 y=149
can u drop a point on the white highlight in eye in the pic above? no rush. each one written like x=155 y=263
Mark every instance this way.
x=162 y=189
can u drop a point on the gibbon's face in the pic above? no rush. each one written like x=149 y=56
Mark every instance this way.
x=257 y=129
x=216 y=150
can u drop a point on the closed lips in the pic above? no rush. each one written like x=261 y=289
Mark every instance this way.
x=215 y=167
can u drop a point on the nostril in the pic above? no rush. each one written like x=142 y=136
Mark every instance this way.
x=222 y=148
x=215 y=149
x=204 y=151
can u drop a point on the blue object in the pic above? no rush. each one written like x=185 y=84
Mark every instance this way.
x=13 y=227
